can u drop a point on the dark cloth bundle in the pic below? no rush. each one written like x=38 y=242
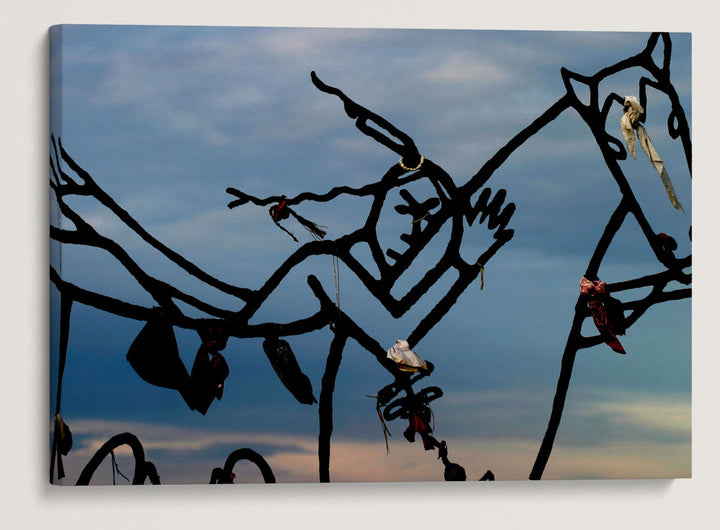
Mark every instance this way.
x=207 y=380
x=154 y=356
x=283 y=361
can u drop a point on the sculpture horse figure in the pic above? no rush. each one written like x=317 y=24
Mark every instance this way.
x=672 y=269
x=452 y=205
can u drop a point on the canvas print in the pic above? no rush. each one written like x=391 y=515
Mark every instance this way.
x=309 y=255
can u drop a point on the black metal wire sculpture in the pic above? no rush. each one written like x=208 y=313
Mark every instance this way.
x=225 y=475
x=453 y=206
x=144 y=470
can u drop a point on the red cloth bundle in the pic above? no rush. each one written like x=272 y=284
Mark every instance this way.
x=420 y=424
x=608 y=323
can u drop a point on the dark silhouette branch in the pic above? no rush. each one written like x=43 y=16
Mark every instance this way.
x=66 y=302
x=98 y=193
x=452 y=204
x=225 y=474
x=325 y=408
x=136 y=312
x=143 y=469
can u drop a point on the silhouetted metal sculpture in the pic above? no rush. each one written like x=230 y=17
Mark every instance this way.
x=143 y=469
x=225 y=475
x=613 y=151
x=452 y=205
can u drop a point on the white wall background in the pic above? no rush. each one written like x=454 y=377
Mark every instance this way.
x=27 y=500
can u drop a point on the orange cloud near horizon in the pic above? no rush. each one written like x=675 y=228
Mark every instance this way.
x=182 y=456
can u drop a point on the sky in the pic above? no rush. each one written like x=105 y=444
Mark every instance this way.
x=166 y=118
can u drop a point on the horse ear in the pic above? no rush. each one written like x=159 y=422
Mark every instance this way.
x=578 y=86
x=659 y=49
x=406 y=148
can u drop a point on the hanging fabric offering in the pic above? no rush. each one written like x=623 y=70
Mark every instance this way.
x=630 y=126
x=607 y=312
x=406 y=359
x=63 y=438
x=210 y=369
x=283 y=361
x=668 y=245
x=386 y=431
x=154 y=355
x=207 y=379
x=214 y=335
x=64 y=435
x=281 y=211
x=420 y=423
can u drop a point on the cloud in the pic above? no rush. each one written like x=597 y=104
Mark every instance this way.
x=621 y=460
x=293 y=458
x=188 y=456
x=594 y=421
x=294 y=43
x=195 y=106
x=156 y=437
x=465 y=68
x=641 y=413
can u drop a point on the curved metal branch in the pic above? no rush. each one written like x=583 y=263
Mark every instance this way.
x=143 y=469
x=93 y=189
x=235 y=328
x=225 y=475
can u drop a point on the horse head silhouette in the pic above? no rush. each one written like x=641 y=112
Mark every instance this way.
x=595 y=112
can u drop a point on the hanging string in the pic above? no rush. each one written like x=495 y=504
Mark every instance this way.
x=386 y=431
x=116 y=468
x=336 y=279
x=281 y=211
x=420 y=219
x=316 y=231
x=336 y=275
x=482 y=273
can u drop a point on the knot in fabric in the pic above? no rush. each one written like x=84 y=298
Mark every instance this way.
x=606 y=312
x=592 y=288
x=630 y=126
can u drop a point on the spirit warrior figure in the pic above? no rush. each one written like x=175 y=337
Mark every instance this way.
x=154 y=352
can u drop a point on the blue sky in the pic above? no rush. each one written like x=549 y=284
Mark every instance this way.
x=165 y=118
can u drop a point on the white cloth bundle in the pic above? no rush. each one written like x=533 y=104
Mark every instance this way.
x=406 y=359
x=629 y=123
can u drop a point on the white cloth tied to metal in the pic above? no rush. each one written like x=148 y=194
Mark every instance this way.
x=406 y=359
x=630 y=125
